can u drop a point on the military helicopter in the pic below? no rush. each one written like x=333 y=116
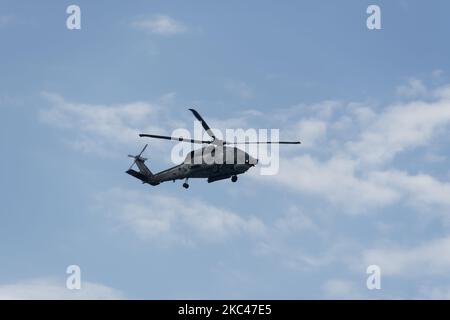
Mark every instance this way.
x=214 y=162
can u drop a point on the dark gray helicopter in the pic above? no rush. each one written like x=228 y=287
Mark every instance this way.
x=216 y=161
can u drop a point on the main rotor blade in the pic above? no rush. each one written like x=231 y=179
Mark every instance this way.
x=265 y=142
x=203 y=122
x=173 y=138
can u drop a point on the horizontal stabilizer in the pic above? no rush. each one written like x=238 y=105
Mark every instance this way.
x=137 y=175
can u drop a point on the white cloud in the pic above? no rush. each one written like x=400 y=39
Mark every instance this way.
x=311 y=131
x=353 y=166
x=294 y=221
x=102 y=128
x=299 y=239
x=362 y=114
x=336 y=180
x=341 y=289
x=429 y=258
x=420 y=189
x=442 y=92
x=160 y=24
x=325 y=109
x=414 y=88
x=168 y=98
x=399 y=128
x=355 y=169
x=51 y=288
x=167 y=220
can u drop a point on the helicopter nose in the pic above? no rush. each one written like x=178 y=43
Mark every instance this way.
x=254 y=162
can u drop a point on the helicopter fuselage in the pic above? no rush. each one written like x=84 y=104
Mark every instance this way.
x=213 y=163
x=216 y=161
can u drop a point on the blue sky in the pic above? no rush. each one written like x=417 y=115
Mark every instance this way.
x=369 y=185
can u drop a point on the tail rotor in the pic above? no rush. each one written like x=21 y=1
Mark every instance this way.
x=138 y=157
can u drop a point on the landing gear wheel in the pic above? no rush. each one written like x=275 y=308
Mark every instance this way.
x=234 y=178
x=185 y=185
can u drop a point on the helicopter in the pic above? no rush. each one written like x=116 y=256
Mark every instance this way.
x=215 y=161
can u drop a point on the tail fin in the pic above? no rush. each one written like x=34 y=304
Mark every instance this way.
x=144 y=174
x=143 y=168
